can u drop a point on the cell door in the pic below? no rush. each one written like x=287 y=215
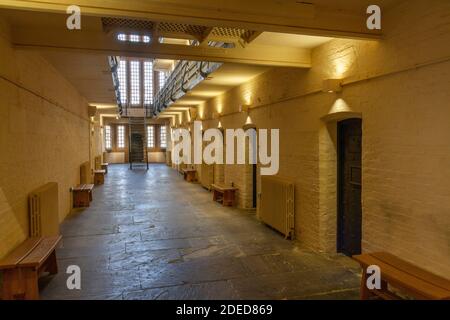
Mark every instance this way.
x=349 y=187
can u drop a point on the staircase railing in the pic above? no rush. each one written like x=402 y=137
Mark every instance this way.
x=114 y=64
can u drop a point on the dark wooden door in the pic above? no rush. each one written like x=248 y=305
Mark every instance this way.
x=349 y=186
x=254 y=169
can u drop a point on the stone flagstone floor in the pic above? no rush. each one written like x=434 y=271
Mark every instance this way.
x=151 y=235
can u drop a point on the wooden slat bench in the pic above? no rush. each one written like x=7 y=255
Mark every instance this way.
x=82 y=195
x=104 y=166
x=23 y=266
x=99 y=177
x=408 y=278
x=224 y=194
x=190 y=175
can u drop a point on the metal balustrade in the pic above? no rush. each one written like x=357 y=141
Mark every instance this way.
x=185 y=76
x=114 y=64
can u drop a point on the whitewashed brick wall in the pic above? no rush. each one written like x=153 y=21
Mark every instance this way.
x=401 y=89
x=41 y=140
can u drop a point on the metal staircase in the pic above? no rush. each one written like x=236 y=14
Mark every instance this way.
x=138 y=155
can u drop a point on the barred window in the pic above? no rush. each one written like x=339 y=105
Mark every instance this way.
x=162 y=79
x=150 y=136
x=108 y=142
x=148 y=82
x=121 y=136
x=135 y=82
x=134 y=38
x=122 y=75
x=163 y=137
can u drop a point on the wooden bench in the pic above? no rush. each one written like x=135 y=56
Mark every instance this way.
x=104 y=166
x=189 y=174
x=224 y=194
x=99 y=177
x=23 y=266
x=82 y=195
x=413 y=281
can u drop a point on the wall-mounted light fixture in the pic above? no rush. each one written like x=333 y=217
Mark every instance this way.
x=216 y=116
x=244 y=108
x=192 y=113
x=249 y=123
x=92 y=111
x=332 y=85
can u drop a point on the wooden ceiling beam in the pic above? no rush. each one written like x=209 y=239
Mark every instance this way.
x=260 y=15
x=101 y=43
x=206 y=35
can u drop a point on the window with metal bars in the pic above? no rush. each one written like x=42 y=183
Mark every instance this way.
x=162 y=79
x=135 y=82
x=148 y=82
x=150 y=136
x=108 y=141
x=121 y=136
x=163 y=137
x=135 y=38
x=122 y=75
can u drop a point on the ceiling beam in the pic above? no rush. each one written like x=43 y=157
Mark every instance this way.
x=260 y=15
x=205 y=37
x=253 y=36
x=101 y=43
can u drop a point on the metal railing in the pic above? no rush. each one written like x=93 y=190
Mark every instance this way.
x=114 y=64
x=185 y=76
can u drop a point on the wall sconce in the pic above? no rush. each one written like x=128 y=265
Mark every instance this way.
x=332 y=85
x=219 y=125
x=192 y=114
x=244 y=108
x=248 y=124
x=92 y=111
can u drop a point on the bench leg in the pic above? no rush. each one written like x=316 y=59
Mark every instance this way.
x=365 y=292
x=12 y=284
x=52 y=267
x=81 y=199
x=228 y=198
x=31 y=284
